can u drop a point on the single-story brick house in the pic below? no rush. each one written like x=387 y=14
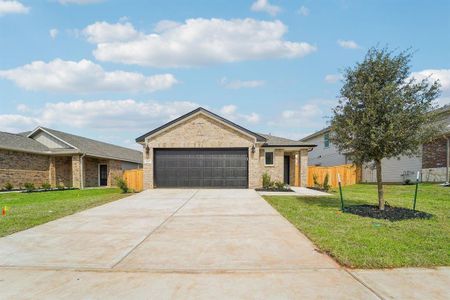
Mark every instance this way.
x=49 y=156
x=202 y=149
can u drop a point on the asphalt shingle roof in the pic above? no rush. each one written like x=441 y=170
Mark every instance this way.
x=272 y=140
x=91 y=147
x=97 y=148
x=22 y=143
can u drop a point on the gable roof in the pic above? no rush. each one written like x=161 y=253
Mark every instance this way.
x=315 y=134
x=77 y=145
x=19 y=142
x=97 y=148
x=258 y=137
x=276 y=141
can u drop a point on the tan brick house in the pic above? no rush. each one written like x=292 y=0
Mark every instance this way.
x=202 y=149
x=49 y=156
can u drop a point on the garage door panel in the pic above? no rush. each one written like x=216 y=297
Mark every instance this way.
x=201 y=168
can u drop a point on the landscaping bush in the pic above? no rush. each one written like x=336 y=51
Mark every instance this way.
x=267 y=181
x=279 y=185
x=316 y=181
x=29 y=187
x=46 y=186
x=60 y=187
x=8 y=186
x=326 y=186
x=122 y=184
x=407 y=182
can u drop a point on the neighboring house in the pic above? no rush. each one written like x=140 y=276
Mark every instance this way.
x=202 y=149
x=49 y=156
x=433 y=160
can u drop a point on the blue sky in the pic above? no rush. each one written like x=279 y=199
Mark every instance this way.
x=113 y=70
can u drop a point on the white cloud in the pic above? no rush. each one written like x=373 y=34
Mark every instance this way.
x=53 y=33
x=164 y=25
x=17 y=123
x=12 y=7
x=239 y=84
x=333 y=78
x=80 y=2
x=126 y=115
x=83 y=77
x=304 y=11
x=114 y=114
x=443 y=76
x=265 y=6
x=442 y=101
x=196 y=42
x=305 y=117
x=23 y=108
x=348 y=44
x=103 y=32
x=230 y=112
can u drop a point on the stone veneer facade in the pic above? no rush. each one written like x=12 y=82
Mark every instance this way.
x=201 y=131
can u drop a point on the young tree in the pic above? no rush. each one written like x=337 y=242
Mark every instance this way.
x=382 y=111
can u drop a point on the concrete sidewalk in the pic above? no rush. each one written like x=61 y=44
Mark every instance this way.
x=189 y=244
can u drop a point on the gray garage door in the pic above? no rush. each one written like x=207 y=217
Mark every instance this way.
x=219 y=168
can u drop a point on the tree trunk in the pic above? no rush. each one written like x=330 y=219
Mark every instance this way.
x=380 y=185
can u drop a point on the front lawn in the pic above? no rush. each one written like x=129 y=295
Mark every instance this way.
x=360 y=242
x=26 y=210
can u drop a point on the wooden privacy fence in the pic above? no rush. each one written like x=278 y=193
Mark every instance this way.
x=350 y=174
x=134 y=179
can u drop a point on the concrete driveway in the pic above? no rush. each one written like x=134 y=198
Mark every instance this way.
x=165 y=244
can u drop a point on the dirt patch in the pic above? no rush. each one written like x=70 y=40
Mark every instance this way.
x=390 y=213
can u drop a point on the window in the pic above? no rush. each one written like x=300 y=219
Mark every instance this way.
x=326 y=140
x=268 y=158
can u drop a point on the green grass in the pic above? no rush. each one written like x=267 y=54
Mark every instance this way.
x=360 y=242
x=30 y=209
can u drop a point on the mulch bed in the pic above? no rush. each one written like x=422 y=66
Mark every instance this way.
x=390 y=213
x=273 y=190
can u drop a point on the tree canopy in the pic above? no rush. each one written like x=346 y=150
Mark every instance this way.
x=383 y=112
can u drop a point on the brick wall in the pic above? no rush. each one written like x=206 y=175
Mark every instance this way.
x=63 y=171
x=19 y=168
x=91 y=171
x=434 y=154
x=202 y=132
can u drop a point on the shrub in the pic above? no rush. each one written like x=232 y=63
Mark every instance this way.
x=8 y=186
x=407 y=181
x=29 y=187
x=326 y=186
x=60 y=186
x=279 y=185
x=46 y=186
x=316 y=181
x=267 y=181
x=122 y=184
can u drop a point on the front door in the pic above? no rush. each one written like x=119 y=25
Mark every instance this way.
x=287 y=164
x=103 y=171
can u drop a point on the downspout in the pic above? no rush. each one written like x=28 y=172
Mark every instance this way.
x=448 y=160
x=82 y=171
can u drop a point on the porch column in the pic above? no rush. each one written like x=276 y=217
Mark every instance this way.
x=76 y=171
x=297 y=169
x=52 y=171
x=303 y=167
